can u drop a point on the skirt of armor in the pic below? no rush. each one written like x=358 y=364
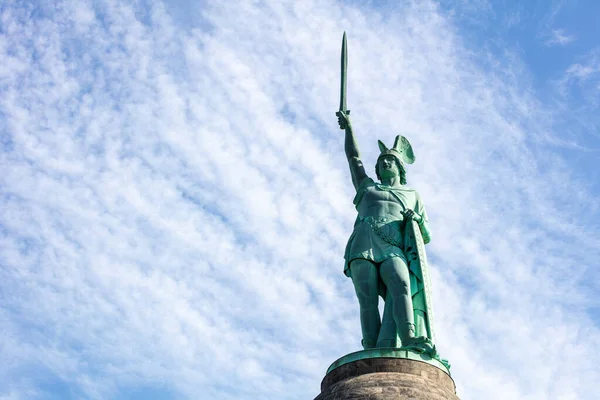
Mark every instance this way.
x=374 y=239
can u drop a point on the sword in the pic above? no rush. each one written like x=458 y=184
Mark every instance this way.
x=343 y=107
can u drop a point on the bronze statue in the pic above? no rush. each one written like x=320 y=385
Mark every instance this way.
x=385 y=254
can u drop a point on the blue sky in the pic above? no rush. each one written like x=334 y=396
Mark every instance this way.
x=175 y=200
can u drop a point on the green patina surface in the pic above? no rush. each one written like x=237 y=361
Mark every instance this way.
x=390 y=353
x=385 y=255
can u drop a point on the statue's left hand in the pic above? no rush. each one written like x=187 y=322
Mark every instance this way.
x=408 y=214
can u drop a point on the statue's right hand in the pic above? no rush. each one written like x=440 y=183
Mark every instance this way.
x=343 y=119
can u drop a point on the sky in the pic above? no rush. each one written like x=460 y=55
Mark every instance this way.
x=175 y=199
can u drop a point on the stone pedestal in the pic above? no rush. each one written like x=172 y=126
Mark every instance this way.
x=382 y=378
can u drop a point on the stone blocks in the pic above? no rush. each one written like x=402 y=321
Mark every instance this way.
x=387 y=379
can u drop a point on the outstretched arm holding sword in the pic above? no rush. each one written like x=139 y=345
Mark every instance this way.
x=357 y=169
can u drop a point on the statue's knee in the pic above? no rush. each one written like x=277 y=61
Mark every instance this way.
x=395 y=274
x=367 y=298
x=365 y=279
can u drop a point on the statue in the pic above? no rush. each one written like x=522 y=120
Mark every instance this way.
x=385 y=255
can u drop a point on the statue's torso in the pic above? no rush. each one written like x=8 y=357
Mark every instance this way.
x=378 y=230
x=381 y=201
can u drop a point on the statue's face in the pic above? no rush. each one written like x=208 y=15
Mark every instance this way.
x=388 y=167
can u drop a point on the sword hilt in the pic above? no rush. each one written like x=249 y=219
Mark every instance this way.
x=339 y=114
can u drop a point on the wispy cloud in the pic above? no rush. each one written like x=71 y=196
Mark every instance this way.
x=549 y=33
x=559 y=37
x=585 y=70
x=175 y=202
x=580 y=88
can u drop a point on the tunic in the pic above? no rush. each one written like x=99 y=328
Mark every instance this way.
x=377 y=238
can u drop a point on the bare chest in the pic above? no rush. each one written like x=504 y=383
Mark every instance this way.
x=385 y=203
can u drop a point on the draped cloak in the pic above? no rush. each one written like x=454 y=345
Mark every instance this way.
x=376 y=239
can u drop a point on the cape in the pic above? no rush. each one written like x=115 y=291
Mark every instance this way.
x=420 y=283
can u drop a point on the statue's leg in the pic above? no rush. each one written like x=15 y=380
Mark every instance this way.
x=365 y=278
x=395 y=275
x=388 y=334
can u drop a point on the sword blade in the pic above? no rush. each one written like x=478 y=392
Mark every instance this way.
x=344 y=73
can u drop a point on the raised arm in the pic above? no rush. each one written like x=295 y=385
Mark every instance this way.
x=357 y=170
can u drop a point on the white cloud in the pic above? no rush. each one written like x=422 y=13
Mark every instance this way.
x=583 y=71
x=558 y=37
x=579 y=92
x=176 y=202
x=549 y=33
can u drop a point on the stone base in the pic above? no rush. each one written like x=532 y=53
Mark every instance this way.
x=385 y=379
